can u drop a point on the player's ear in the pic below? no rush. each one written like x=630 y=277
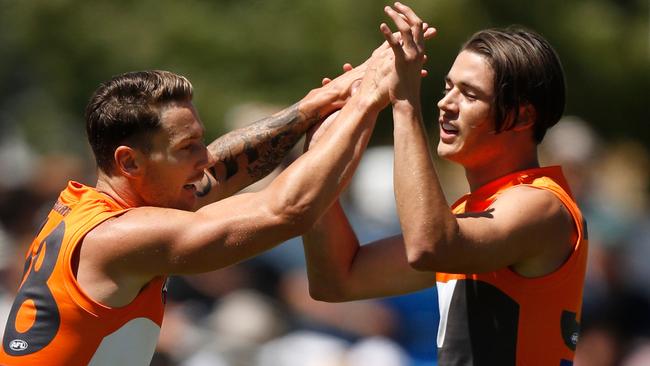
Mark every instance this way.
x=526 y=118
x=128 y=161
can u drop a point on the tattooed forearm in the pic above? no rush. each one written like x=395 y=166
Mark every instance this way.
x=257 y=149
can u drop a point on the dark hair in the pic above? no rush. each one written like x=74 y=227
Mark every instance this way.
x=526 y=71
x=126 y=109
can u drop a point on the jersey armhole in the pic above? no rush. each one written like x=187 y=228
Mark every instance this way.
x=562 y=272
x=74 y=289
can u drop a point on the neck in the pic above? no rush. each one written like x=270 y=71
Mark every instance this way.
x=481 y=174
x=118 y=188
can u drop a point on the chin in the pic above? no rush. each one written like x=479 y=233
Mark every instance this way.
x=444 y=151
x=450 y=155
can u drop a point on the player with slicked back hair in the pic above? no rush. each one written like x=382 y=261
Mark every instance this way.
x=509 y=257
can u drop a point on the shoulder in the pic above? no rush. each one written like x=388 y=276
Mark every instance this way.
x=538 y=204
x=545 y=226
x=532 y=217
x=138 y=226
x=133 y=231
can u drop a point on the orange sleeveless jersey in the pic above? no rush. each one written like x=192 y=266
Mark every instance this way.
x=53 y=322
x=501 y=318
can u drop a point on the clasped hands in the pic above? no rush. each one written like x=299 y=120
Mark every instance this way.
x=394 y=70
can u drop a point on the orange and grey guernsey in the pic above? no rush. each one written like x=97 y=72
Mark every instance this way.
x=53 y=321
x=502 y=318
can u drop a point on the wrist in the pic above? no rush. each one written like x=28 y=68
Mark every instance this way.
x=318 y=103
x=406 y=106
x=368 y=103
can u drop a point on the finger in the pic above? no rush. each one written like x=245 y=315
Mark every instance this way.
x=347 y=67
x=429 y=33
x=409 y=14
x=391 y=39
x=355 y=87
x=325 y=81
x=403 y=27
x=415 y=23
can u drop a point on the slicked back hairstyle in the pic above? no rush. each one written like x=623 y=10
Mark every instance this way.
x=126 y=110
x=527 y=70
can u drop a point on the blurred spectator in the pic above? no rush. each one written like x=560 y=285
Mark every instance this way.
x=303 y=348
x=238 y=326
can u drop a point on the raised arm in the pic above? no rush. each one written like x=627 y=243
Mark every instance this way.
x=533 y=238
x=339 y=269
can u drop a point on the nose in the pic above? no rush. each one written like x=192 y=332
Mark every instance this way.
x=447 y=102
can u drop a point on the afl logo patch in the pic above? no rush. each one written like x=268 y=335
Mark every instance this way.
x=18 y=345
x=570 y=329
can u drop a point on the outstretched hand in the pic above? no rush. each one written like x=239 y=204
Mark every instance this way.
x=408 y=50
x=349 y=82
x=392 y=73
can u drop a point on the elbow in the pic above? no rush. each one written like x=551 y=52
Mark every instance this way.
x=422 y=259
x=430 y=249
x=430 y=252
x=320 y=295
x=327 y=293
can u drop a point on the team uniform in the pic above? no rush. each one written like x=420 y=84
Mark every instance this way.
x=53 y=322
x=502 y=318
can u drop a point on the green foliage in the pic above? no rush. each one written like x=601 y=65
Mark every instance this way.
x=55 y=52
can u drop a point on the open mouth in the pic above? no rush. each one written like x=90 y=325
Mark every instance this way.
x=448 y=128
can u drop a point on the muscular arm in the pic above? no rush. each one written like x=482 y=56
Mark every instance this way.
x=248 y=154
x=339 y=269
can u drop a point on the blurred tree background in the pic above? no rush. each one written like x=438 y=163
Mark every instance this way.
x=54 y=53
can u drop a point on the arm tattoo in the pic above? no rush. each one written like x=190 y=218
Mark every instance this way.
x=264 y=143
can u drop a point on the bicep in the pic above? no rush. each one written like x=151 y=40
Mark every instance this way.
x=165 y=241
x=522 y=224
